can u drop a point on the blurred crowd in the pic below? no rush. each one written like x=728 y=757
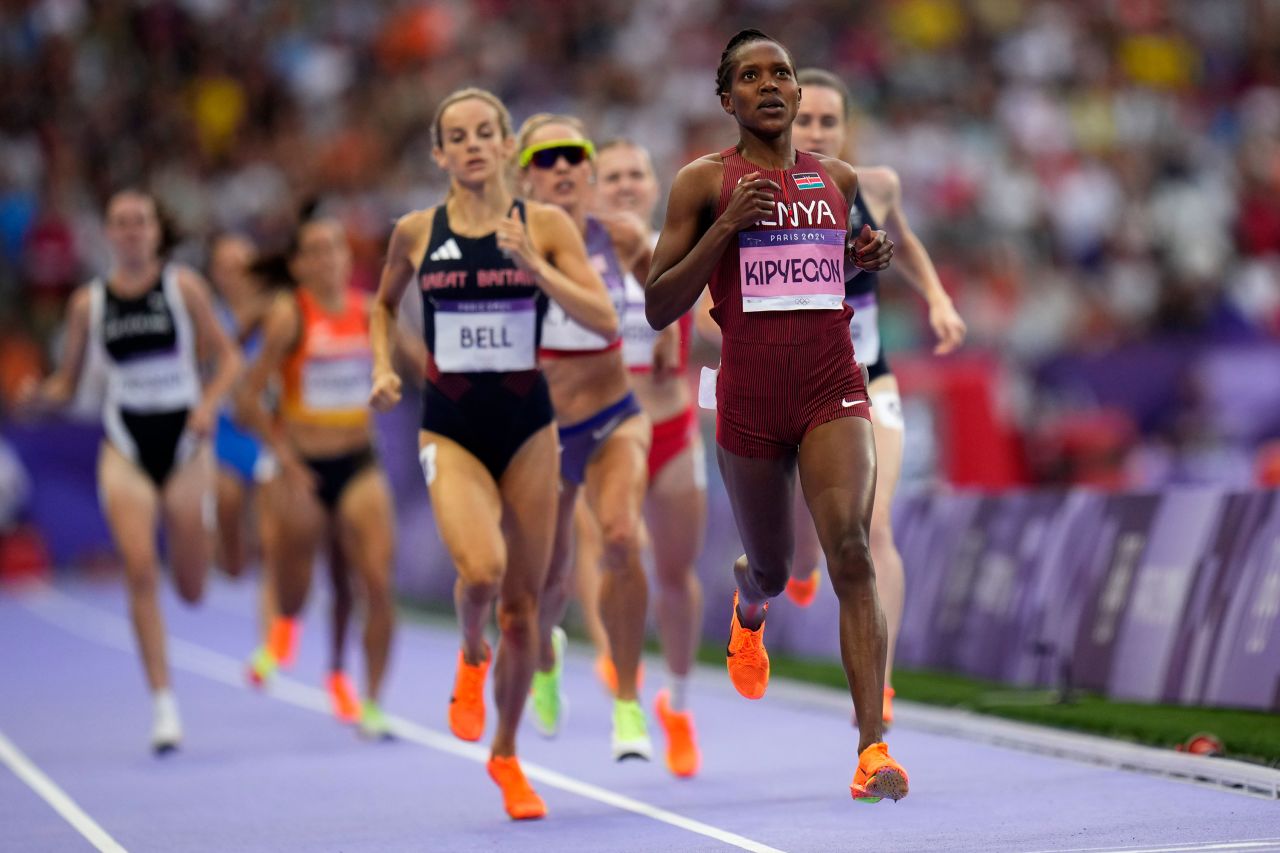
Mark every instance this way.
x=1089 y=175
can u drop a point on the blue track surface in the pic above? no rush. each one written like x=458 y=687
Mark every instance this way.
x=273 y=772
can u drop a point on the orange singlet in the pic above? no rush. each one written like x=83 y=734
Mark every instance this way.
x=326 y=377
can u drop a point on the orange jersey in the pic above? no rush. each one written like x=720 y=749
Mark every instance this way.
x=327 y=376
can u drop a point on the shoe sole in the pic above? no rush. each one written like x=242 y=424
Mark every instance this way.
x=634 y=749
x=889 y=783
x=165 y=748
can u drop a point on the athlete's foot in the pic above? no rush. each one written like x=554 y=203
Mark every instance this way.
x=374 y=724
x=608 y=674
x=802 y=591
x=518 y=796
x=262 y=667
x=746 y=657
x=466 y=706
x=683 y=757
x=547 y=702
x=878 y=776
x=630 y=731
x=166 y=726
x=343 y=697
x=283 y=641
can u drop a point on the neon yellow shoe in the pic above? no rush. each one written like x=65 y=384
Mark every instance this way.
x=374 y=724
x=262 y=667
x=548 y=705
x=630 y=731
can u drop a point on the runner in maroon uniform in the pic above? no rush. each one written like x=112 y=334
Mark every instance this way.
x=767 y=227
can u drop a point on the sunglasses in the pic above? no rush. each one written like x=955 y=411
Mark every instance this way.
x=544 y=155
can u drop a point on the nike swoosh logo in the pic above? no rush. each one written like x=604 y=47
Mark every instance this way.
x=847 y=404
x=603 y=432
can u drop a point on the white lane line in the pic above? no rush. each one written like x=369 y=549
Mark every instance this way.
x=105 y=628
x=1255 y=844
x=57 y=798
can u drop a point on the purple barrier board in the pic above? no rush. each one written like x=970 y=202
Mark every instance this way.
x=1181 y=532
x=1245 y=668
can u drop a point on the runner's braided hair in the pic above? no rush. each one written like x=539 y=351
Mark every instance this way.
x=726 y=59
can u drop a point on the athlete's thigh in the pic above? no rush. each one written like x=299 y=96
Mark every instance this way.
x=467 y=507
x=188 y=504
x=838 y=475
x=760 y=493
x=889 y=438
x=676 y=511
x=366 y=524
x=131 y=505
x=530 y=491
x=296 y=519
x=617 y=475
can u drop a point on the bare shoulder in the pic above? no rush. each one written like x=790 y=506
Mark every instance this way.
x=879 y=183
x=840 y=172
x=411 y=233
x=705 y=170
x=546 y=220
x=78 y=304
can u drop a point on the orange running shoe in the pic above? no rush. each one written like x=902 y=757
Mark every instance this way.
x=878 y=776
x=608 y=675
x=683 y=757
x=343 y=697
x=282 y=639
x=466 y=706
x=887 y=713
x=518 y=796
x=746 y=657
x=803 y=592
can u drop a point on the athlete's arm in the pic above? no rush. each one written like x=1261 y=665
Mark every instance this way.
x=689 y=248
x=56 y=390
x=868 y=250
x=280 y=330
x=914 y=262
x=404 y=255
x=551 y=248
x=212 y=342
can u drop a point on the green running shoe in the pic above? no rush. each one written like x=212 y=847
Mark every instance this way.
x=548 y=705
x=262 y=666
x=374 y=724
x=630 y=731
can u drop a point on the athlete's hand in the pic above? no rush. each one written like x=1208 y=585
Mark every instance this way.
x=386 y=390
x=27 y=397
x=666 y=353
x=200 y=420
x=514 y=242
x=947 y=325
x=870 y=250
x=750 y=202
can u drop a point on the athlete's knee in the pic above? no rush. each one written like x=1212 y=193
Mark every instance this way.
x=850 y=563
x=479 y=571
x=517 y=618
x=768 y=577
x=621 y=535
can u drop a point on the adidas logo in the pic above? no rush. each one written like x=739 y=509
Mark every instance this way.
x=448 y=251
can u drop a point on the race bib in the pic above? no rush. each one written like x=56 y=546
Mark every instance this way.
x=792 y=269
x=638 y=337
x=491 y=336
x=161 y=383
x=864 y=328
x=337 y=384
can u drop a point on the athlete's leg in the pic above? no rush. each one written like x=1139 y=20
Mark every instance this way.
x=838 y=472
x=588 y=552
x=676 y=512
x=367 y=524
x=232 y=495
x=761 y=491
x=615 y=482
x=468 y=512
x=188 y=505
x=554 y=599
x=343 y=600
x=890 y=578
x=528 y=494
x=298 y=525
x=268 y=606
x=131 y=505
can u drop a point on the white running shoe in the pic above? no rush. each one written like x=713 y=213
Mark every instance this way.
x=166 y=726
